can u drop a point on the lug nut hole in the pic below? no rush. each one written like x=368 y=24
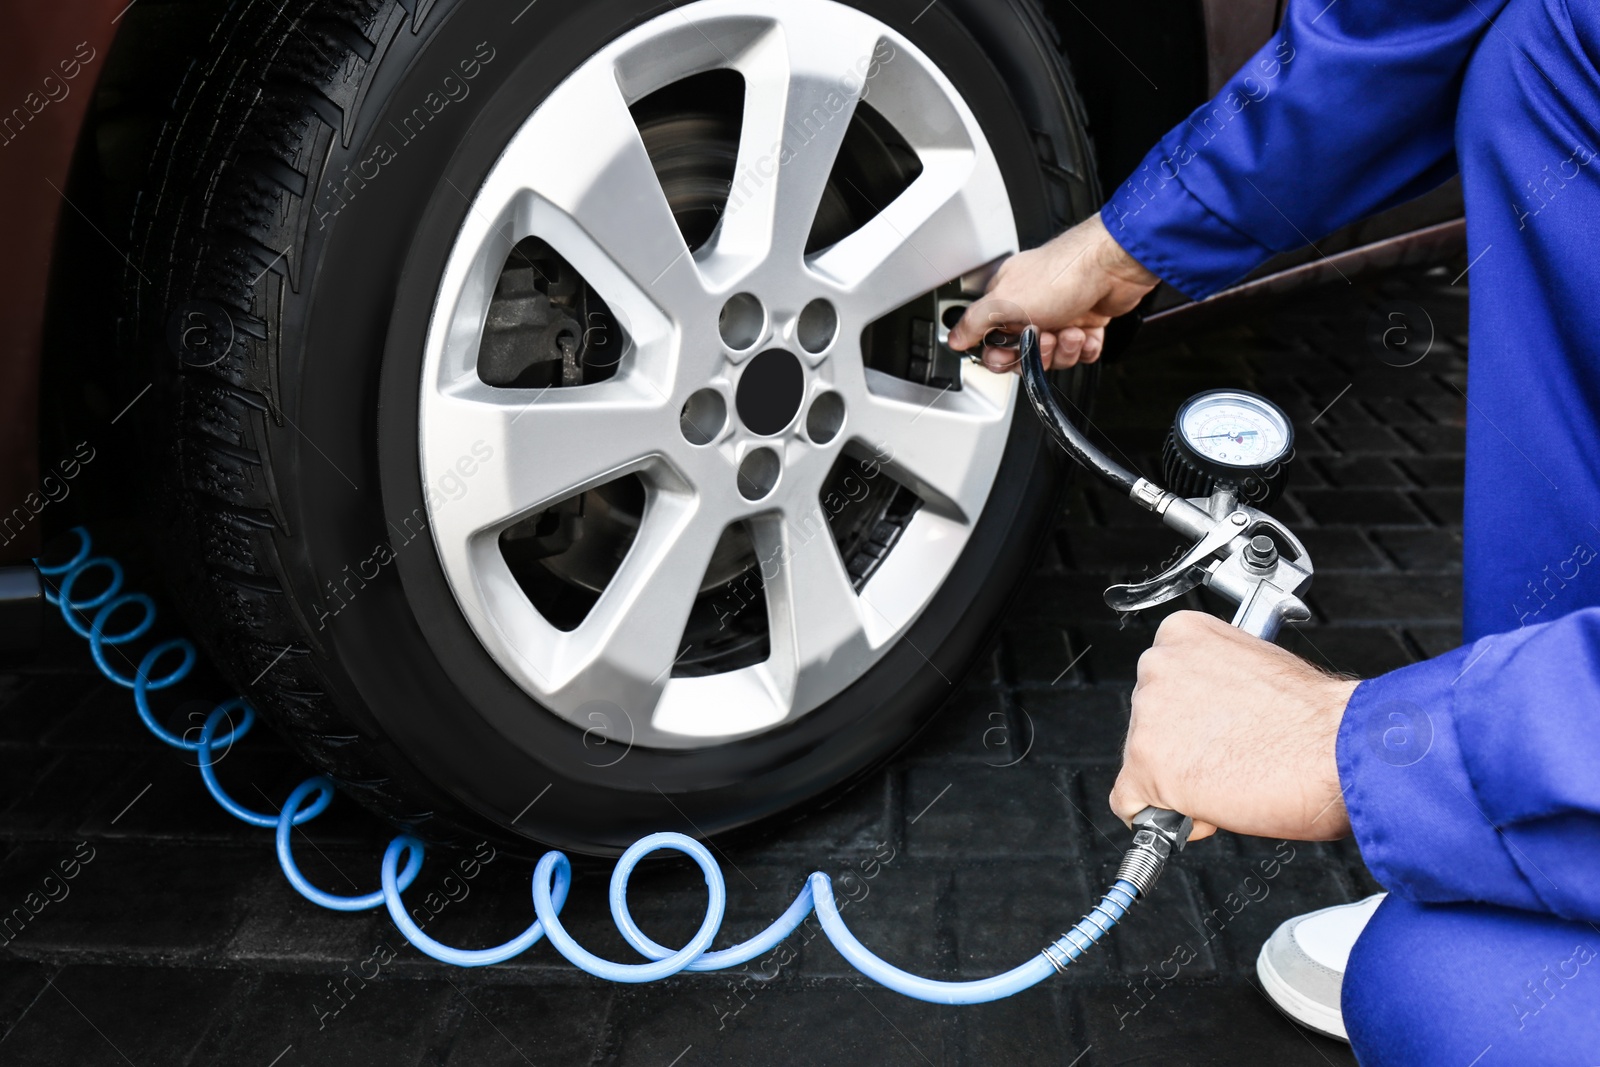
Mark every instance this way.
x=758 y=474
x=703 y=417
x=819 y=324
x=742 y=322
x=825 y=419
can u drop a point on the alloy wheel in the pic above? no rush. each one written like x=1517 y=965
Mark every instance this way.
x=641 y=407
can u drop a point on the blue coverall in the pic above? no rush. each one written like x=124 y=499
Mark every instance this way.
x=1472 y=779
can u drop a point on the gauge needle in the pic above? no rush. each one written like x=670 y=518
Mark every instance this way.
x=1240 y=436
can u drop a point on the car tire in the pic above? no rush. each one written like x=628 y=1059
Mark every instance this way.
x=284 y=310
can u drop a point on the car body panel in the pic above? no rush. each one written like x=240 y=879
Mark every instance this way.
x=51 y=56
x=1234 y=30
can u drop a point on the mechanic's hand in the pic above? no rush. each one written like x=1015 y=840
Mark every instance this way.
x=1069 y=288
x=1234 y=732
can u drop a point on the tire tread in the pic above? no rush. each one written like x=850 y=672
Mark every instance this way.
x=222 y=217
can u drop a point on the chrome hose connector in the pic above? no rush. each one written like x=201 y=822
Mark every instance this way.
x=1141 y=865
x=1157 y=834
x=1150 y=496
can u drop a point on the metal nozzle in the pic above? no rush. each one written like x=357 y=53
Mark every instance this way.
x=1157 y=834
x=1168 y=825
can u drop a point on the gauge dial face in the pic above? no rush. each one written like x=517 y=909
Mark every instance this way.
x=1236 y=429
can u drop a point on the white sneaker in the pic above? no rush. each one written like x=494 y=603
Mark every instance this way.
x=1302 y=964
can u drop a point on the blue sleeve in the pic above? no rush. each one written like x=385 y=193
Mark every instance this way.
x=1476 y=775
x=1349 y=109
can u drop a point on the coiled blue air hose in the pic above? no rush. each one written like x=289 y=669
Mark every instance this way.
x=552 y=877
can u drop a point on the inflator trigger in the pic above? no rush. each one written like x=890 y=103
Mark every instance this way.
x=1241 y=553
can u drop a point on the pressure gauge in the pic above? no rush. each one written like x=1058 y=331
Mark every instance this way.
x=1227 y=437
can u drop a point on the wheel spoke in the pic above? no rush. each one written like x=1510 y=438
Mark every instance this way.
x=493 y=455
x=944 y=446
x=578 y=175
x=625 y=649
x=802 y=84
x=814 y=615
x=953 y=219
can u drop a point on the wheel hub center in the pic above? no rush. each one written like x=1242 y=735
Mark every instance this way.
x=770 y=392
